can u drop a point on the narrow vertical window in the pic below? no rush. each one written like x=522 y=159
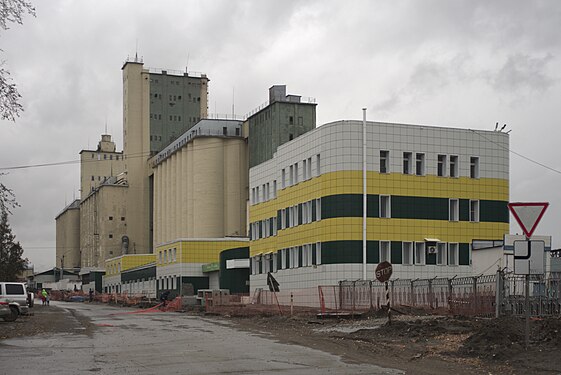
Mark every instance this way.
x=385 y=206
x=283 y=178
x=291 y=176
x=304 y=170
x=318 y=209
x=420 y=253
x=274 y=188
x=296 y=173
x=407 y=161
x=318 y=253
x=420 y=165
x=453 y=250
x=385 y=251
x=318 y=165
x=441 y=167
x=474 y=211
x=384 y=161
x=309 y=167
x=474 y=167
x=441 y=253
x=407 y=253
x=453 y=166
x=454 y=206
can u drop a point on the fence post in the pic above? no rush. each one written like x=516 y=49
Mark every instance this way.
x=392 y=292
x=370 y=289
x=450 y=291
x=498 y=293
x=430 y=294
x=412 y=293
x=475 y=299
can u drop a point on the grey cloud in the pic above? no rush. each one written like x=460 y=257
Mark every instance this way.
x=524 y=72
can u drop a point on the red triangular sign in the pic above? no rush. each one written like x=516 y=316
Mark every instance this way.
x=528 y=215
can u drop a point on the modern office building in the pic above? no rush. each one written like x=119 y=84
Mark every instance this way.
x=431 y=191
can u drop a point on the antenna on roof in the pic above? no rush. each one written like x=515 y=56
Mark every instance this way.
x=187 y=64
x=136 y=51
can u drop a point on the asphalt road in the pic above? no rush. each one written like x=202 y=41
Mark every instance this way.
x=161 y=343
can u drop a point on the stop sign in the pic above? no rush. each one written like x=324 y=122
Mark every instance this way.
x=383 y=271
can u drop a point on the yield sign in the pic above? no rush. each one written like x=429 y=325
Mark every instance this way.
x=528 y=215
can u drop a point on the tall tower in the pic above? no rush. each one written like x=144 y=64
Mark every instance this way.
x=158 y=106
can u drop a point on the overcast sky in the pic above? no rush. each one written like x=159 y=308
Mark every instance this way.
x=462 y=64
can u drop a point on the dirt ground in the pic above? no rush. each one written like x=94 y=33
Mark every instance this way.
x=417 y=343
x=425 y=344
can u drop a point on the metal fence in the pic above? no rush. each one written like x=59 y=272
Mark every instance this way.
x=544 y=297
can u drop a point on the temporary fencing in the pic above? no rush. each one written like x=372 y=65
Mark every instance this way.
x=544 y=298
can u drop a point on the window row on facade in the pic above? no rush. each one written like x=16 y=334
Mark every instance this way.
x=302 y=213
x=104 y=156
x=293 y=257
x=289 y=176
x=447 y=165
x=167 y=256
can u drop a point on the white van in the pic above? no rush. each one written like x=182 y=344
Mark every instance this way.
x=15 y=294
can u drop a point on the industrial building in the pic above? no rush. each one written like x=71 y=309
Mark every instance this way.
x=197 y=203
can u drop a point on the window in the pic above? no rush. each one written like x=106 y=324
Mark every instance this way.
x=441 y=167
x=420 y=165
x=474 y=211
x=407 y=161
x=309 y=167
x=174 y=254
x=407 y=252
x=283 y=218
x=14 y=289
x=453 y=250
x=274 y=188
x=275 y=262
x=318 y=253
x=291 y=176
x=384 y=251
x=93 y=178
x=296 y=173
x=224 y=130
x=291 y=120
x=122 y=218
x=420 y=253
x=318 y=209
x=474 y=167
x=110 y=217
x=304 y=170
x=454 y=210
x=283 y=178
x=318 y=165
x=385 y=204
x=453 y=166
x=441 y=253
x=384 y=161
x=110 y=236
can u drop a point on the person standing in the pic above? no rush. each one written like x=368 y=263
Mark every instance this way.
x=45 y=297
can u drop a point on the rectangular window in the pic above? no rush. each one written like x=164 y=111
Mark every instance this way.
x=318 y=209
x=474 y=167
x=441 y=167
x=407 y=252
x=275 y=262
x=224 y=130
x=274 y=188
x=407 y=161
x=453 y=254
x=296 y=173
x=309 y=167
x=283 y=218
x=420 y=253
x=385 y=251
x=318 y=165
x=474 y=211
x=454 y=210
x=441 y=253
x=385 y=206
x=264 y=188
x=291 y=175
x=384 y=161
x=420 y=165
x=304 y=170
x=453 y=166
x=110 y=217
x=257 y=194
x=318 y=253
x=283 y=178
x=305 y=213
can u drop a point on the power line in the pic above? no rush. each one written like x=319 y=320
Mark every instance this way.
x=517 y=153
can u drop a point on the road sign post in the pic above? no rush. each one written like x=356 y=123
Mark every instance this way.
x=383 y=274
x=528 y=255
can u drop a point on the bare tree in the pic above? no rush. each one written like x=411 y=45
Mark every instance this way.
x=7 y=199
x=11 y=11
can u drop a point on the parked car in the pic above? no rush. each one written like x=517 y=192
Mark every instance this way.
x=15 y=294
x=7 y=312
